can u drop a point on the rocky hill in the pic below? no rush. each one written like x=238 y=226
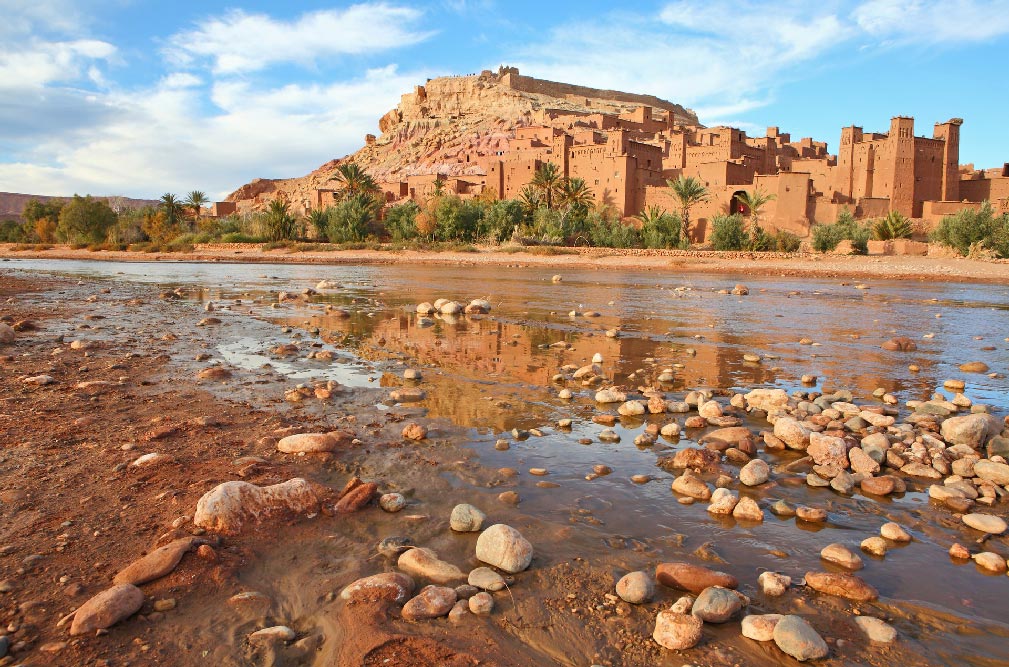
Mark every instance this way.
x=445 y=125
x=13 y=203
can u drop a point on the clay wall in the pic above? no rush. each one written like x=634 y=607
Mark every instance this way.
x=219 y=209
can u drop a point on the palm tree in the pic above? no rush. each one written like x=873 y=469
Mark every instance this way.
x=754 y=202
x=546 y=180
x=279 y=221
x=529 y=197
x=689 y=191
x=196 y=200
x=353 y=181
x=319 y=219
x=439 y=187
x=172 y=208
x=574 y=193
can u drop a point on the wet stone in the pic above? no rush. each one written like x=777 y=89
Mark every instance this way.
x=636 y=587
x=716 y=605
x=796 y=637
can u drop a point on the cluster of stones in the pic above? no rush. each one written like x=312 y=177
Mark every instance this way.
x=448 y=591
x=446 y=308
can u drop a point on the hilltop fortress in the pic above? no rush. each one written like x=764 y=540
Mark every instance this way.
x=487 y=134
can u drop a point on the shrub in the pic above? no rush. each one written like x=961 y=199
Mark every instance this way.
x=85 y=220
x=501 y=219
x=239 y=237
x=660 y=229
x=728 y=232
x=455 y=219
x=893 y=226
x=826 y=237
x=349 y=220
x=11 y=231
x=612 y=233
x=969 y=228
x=401 y=221
x=760 y=240
x=787 y=242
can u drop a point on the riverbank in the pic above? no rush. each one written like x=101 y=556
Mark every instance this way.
x=853 y=267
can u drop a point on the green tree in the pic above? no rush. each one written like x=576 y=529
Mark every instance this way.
x=690 y=192
x=280 y=223
x=172 y=208
x=85 y=220
x=401 y=221
x=353 y=181
x=754 y=202
x=196 y=200
x=728 y=232
x=546 y=181
x=501 y=219
x=349 y=220
x=529 y=199
x=318 y=218
x=574 y=193
x=969 y=229
x=35 y=210
x=439 y=187
x=659 y=229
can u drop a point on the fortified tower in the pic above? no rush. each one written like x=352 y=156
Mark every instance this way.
x=949 y=132
x=901 y=162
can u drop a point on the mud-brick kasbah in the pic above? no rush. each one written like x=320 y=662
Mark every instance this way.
x=486 y=135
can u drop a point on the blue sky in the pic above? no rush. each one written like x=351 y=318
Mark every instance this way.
x=138 y=97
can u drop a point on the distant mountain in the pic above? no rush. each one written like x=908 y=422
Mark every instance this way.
x=12 y=203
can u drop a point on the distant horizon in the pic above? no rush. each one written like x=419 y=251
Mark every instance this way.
x=139 y=98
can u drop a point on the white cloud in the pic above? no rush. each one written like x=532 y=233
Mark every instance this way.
x=930 y=22
x=242 y=42
x=36 y=63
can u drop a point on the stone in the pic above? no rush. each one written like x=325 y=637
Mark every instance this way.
x=841 y=555
x=466 y=519
x=796 y=637
x=874 y=545
x=900 y=344
x=876 y=630
x=760 y=627
x=676 y=631
x=709 y=410
x=7 y=334
x=276 y=633
x=767 y=400
x=991 y=561
x=992 y=471
x=773 y=584
x=794 y=434
x=356 y=498
x=631 y=409
x=747 y=509
x=878 y=486
x=310 y=443
x=389 y=587
x=692 y=487
x=841 y=585
x=959 y=551
x=811 y=514
x=227 y=506
x=974 y=430
x=486 y=579
x=724 y=438
x=481 y=604
x=425 y=564
x=156 y=564
x=610 y=396
x=691 y=457
x=636 y=587
x=459 y=612
x=716 y=605
x=692 y=578
x=915 y=469
x=894 y=532
x=986 y=523
x=107 y=608
x=414 y=431
x=504 y=547
x=755 y=472
x=843 y=483
x=828 y=450
x=974 y=367
x=862 y=462
x=431 y=602
x=723 y=501
x=392 y=502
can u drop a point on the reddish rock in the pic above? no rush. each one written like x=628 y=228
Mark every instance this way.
x=692 y=578
x=900 y=344
x=107 y=608
x=357 y=498
x=842 y=585
x=156 y=564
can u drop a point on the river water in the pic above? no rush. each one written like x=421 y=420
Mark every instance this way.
x=491 y=374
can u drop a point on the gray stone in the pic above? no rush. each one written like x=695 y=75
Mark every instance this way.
x=466 y=519
x=716 y=605
x=481 y=604
x=875 y=629
x=760 y=627
x=754 y=473
x=797 y=638
x=486 y=579
x=636 y=587
x=504 y=547
x=677 y=631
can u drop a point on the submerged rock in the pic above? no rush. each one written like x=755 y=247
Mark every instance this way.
x=692 y=578
x=425 y=564
x=389 y=586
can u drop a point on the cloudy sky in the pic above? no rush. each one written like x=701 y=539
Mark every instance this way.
x=137 y=97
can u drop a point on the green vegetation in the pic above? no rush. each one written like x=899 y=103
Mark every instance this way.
x=660 y=229
x=972 y=232
x=690 y=192
x=85 y=220
x=893 y=226
x=827 y=237
x=728 y=232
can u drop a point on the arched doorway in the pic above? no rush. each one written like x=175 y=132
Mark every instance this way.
x=736 y=206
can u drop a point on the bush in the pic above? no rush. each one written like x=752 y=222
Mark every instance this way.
x=611 y=233
x=349 y=220
x=728 y=232
x=787 y=242
x=826 y=237
x=85 y=220
x=401 y=221
x=239 y=237
x=893 y=226
x=661 y=230
x=11 y=231
x=501 y=219
x=969 y=228
x=760 y=240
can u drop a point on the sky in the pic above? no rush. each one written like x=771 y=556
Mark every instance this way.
x=139 y=98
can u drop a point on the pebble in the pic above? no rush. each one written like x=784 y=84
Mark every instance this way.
x=486 y=579
x=754 y=473
x=466 y=518
x=481 y=604
x=431 y=602
x=874 y=545
x=390 y=586
x=747 y=510
x=692 y=578
x=392 y=502
x=841 y=585
x=893 y=531
x=811 y=514
x=796 y=637
x=425 y=564
x=990 y=561
x=636 y=587
x=505 y=548
x=716 y=605
x=773 y=584
x=677 y=631
x=986 y=523
x=107 y=608
x=841 y=555
x=760 y=627
x=275 y=633
x=876 y=630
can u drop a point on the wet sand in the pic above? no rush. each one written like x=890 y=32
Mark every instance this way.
x=68 y=453
x=925 y=269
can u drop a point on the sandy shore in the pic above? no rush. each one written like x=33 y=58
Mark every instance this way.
x=744 y=264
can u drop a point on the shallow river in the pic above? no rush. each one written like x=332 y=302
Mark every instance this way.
x=491 y=374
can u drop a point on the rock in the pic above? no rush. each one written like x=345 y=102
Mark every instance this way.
x=692 y=578
x=915 y=469
x=481 y=604
x=392 y=502
x=900 y=344
x=894 y=532
x=636 y=587
x=356 y=498
x=841 y=585
x=610 y=396
x=631 y=409
x=974 y=367
x=107 y=608
x=767 y=400
x=843 y=483
x=988 y=560
x=312 y=442
x=724 y=438
x=251 y=602
x=227 y=506
x=828 y=450
x=773 y=584
x=747 y=509
x=874 y=545
x=754 y=473
x=276 y=633
x=425 y=564
x=486 y=579
x=862 y=462
x=388 y=586
x=875 y=629
x=692 y=487
x=466 y=519
x=459 y=612
x=156 y=564
x=431 y=602
x=504 y=547
x=716 y=605
x=740 y=290
x=723 y=501
x=992 y=471
x=691 y=457
x=794 y=434
x=974 y=430
x=879 y=486
x=797 y=638
x=414 y=431
x=709 y=410
x=986 y=523
x=760 y=627
x=676 y=631
x=812 y=514
x=7 y=334
x=841 y=555
x=959 y=551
